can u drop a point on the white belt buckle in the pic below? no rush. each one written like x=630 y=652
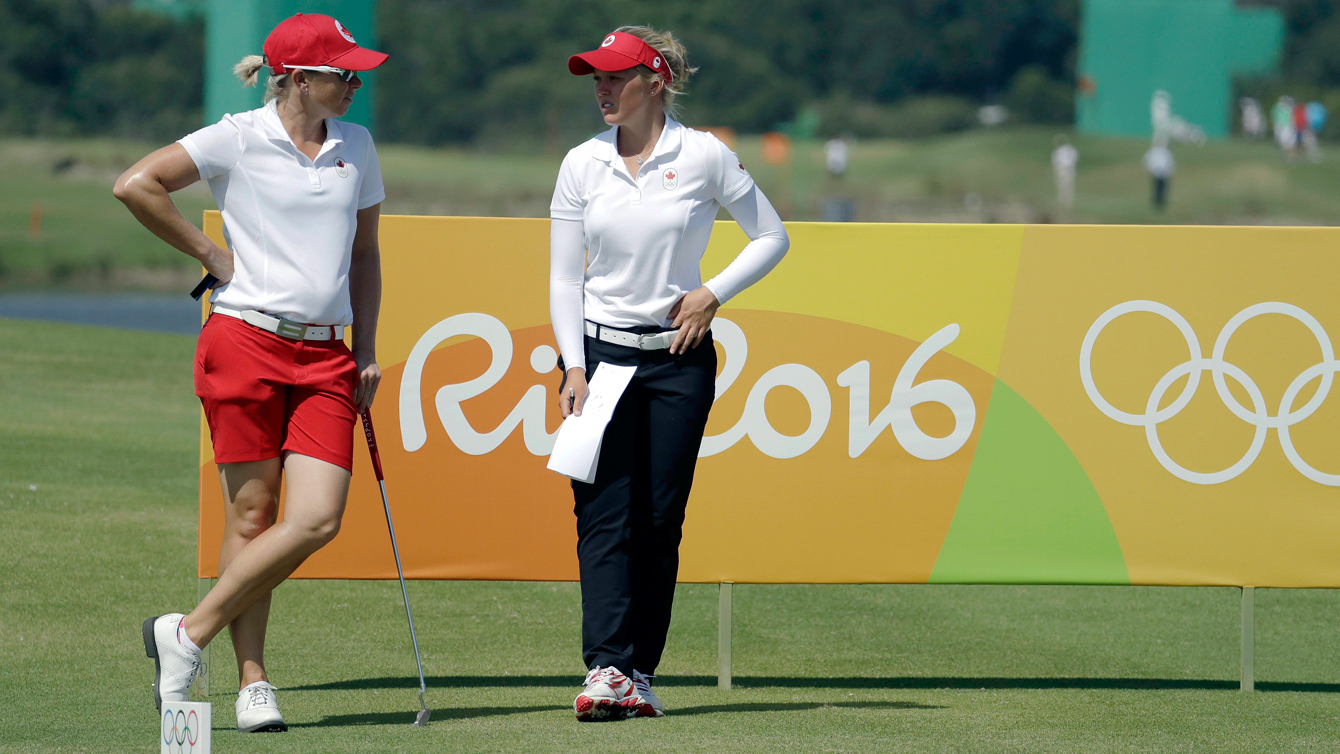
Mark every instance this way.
x=290 y=329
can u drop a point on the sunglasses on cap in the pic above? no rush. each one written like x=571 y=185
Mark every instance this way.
x=345 y=75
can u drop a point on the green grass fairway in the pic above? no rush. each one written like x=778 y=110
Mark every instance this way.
x=88 y=239
x=97 y=531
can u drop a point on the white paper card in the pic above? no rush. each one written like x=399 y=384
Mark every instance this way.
x=577 y=447
x=185 y=728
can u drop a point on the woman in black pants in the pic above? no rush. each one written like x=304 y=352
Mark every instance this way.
x=631 y=217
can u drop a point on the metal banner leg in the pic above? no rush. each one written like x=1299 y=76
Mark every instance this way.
x=724 y=637
x=201 y=685
x=1248 y=640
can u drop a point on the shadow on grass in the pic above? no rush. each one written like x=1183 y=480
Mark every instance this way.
x=407 y=718
x=764 y=682
x=708 y=709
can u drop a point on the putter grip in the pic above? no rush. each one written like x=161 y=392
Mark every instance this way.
x=205 y=284
x=372 y=444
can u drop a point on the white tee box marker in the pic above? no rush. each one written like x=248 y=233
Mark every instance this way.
x=577 y=447
x=184 y=728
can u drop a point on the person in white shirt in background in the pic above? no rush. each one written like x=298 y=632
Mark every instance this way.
x=836 y=154
x=300 y=193
x=632 y=213
x=1064 y=160
x=1253 y=118
x=1160 y=164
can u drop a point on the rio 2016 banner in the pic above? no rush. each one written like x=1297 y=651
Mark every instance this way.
x=895 y=404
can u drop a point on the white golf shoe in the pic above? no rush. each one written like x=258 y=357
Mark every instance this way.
x=609 y=695
x=175 y=665
x=258 y=710
x=649 y=705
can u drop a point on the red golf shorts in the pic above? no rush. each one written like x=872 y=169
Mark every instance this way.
x=264 y=394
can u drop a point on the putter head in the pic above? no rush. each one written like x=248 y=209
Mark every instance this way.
x=421 y=721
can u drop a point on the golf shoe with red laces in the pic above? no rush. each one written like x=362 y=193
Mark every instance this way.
x=258 y=710
x=609 y=695
x=649 y=705
x=175 y=664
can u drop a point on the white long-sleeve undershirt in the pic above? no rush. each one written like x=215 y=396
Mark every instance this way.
x=567 y=268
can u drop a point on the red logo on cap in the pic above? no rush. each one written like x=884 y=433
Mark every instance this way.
x=344 y=32
x=608 y=41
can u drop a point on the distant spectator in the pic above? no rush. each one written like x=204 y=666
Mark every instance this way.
x=1281 y=119
x=1315 y=115
x=1169 y=126
x=1253 y=119
x=836 y=154
x=1064 y=159
x=1160 y=164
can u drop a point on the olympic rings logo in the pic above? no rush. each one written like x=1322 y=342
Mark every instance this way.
x=1258 y=415
x=180 y=730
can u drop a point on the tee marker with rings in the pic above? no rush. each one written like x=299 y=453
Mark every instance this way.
x=1258 y=416
x=185 y=728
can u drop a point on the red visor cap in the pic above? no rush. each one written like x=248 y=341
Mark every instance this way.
x=313 y=39
x=619 y=52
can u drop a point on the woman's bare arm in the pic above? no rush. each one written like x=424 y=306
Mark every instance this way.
x=145 y=189
x=365 y=297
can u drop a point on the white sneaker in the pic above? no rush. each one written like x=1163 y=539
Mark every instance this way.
x=258 y=710
x=609 y=695
x=649 y=704
x=174 y=664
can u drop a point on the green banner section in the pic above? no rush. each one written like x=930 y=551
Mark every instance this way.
x=1028 y=514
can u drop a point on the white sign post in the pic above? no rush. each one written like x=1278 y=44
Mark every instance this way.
x=185 y=728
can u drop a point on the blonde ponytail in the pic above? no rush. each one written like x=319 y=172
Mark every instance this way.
x=248 y=71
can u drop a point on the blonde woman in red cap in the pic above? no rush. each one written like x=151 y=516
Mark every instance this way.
x=631 y=217
x=300 y=193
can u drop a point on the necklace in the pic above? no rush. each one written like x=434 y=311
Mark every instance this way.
x=646 y=150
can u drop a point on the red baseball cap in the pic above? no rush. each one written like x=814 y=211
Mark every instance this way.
x=311 y=39
x=619 y=52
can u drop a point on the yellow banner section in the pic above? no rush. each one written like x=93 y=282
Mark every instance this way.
x=896 y=404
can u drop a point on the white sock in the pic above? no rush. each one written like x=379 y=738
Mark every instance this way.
x=185 y=640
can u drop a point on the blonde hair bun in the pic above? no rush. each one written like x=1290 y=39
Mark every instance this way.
x=674 y=54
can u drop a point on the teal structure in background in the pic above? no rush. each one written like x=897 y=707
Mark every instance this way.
x=175 y=8
x=237 y=28
x=1191 y=49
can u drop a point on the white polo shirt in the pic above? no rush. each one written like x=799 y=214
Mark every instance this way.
x=288 y=220
x=646 y=234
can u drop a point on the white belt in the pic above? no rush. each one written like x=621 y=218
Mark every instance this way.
x=651 y=342
x=284 y=328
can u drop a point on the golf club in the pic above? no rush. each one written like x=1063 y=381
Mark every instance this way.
x=424 y=713
x=205 y=284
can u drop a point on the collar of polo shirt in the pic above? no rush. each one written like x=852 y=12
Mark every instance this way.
x=274 y=129
x=671 y=137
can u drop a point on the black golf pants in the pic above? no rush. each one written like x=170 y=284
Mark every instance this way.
x=630 y=520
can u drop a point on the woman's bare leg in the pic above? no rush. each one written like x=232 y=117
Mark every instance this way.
x=313 y=506
x=251 y=503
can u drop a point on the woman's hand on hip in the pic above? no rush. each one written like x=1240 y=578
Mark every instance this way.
x=219 y=263
x=692 y=316
x=369 y=376
x=573 y=395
